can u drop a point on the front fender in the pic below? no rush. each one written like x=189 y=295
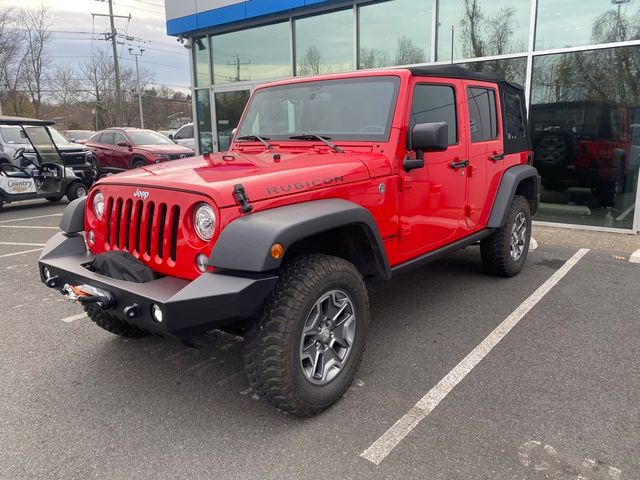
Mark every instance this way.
x=245 y=244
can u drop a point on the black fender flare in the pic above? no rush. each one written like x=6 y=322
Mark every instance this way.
x=245 y=244
x=511 y=178
x=72 y=220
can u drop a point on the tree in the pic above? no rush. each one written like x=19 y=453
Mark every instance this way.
x=36 y=24
x=373 y=58
x=311 y=62
x=408 y=52
x=65 y=85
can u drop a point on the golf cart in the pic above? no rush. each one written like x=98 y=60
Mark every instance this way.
x=44 y=176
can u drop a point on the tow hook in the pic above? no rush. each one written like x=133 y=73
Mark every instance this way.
x=87 y=294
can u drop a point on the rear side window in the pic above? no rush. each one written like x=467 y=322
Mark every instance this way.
x=108 y=138
x=435 y=103
x=482 y=114
x=514 y=117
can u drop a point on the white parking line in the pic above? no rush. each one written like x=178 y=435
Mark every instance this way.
x=377 y=452
x=31 y=218
x=29 y=226
x=626 y=212
x=533 y=244
x=74 y=318
x=19 y=253
x=21 y=244
x=635 y=257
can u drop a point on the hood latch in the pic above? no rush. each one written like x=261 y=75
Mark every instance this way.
x=241 y=198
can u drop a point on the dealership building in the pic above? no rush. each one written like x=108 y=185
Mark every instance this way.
x=578 y=60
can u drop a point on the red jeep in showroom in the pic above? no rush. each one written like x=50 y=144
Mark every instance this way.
x=126 y=148
x=331 y=183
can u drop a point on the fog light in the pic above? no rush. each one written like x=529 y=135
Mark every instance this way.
x=202 y=262
x=91 y=237
x=156 y=313
x=46 y=273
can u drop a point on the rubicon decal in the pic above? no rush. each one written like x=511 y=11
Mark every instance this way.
x=141 y=194
x=316 y=182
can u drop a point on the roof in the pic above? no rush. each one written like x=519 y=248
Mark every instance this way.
x=31 y=122
x=456 y=71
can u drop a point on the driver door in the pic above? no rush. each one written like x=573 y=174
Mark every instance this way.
x=432 y=199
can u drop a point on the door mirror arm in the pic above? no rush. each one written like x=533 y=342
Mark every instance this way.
x=409 y=164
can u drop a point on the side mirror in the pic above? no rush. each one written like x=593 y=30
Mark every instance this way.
x=171 y=137
x=426 y=137
x=122 y=143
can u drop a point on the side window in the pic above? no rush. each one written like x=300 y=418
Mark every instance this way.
x=482 y=114
x=188 y=132
x=514 y=117
x=435 y=103
x=108 y=138
x=120 y=138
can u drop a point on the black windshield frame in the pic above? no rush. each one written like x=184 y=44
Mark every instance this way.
x=245 y=125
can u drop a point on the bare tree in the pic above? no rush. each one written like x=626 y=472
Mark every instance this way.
x=471 y=28
x=65 y=85
x=36 y=24
x=11 y=61
x=311 y=62
x=373 y=58
x=408 y=52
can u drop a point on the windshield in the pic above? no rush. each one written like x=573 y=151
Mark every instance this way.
x=79 y=134
x=350 y=109
x=13 y=135
x=148 y=137
x=42 y=142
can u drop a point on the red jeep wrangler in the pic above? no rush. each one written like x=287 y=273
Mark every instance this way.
x=331 y=183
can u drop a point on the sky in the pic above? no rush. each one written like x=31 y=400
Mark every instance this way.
x=74 y=28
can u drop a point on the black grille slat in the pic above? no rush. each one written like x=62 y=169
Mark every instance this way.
x=127 y=224
x=174 y=233
x=118 y=218
x=161 y=224
x=148 y=244
x=137 y=223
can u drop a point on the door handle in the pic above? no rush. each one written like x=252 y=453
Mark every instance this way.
x=459 y=164
x=496 y=156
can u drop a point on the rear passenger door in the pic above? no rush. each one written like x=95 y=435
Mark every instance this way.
x=486 y=155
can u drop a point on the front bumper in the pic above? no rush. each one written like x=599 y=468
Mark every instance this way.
x=211 y=301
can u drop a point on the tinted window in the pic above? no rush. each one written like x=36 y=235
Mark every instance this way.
x=339 y=109
x=13 y=135
x=514 y=115
x=108 y=138
x=435 y=103
x=184 y=132
x=200 y=61
x=120 y=138
x=482 y=114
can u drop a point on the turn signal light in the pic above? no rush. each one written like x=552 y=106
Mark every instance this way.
x=277 y=250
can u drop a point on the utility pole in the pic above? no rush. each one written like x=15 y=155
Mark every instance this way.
x=116 y=63
x=238 y=64
x=139 y=54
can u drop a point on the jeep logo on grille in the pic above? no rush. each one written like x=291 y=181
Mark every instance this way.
x=141 y=194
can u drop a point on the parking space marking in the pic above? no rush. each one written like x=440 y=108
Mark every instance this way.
x=35 y=227
x=378 y=451
x=635 y=257
x=22 y=244
x=74 y=318
x=19 y=253
x=533 y=244
x=31 y=218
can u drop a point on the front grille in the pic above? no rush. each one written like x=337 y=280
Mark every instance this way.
x=176 y=156
x=74 y=158
x=146 y=229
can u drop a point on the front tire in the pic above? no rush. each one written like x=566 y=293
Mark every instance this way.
x=112 y=324
x=505 y=251
x=138 y=163
x=76 y=190
x=305 y=347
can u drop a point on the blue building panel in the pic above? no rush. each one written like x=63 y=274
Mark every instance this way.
x=235 y=13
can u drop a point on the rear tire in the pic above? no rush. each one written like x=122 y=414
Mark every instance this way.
x=76 y=190
x=112 y=324
x=303 y=350
x=505 y=251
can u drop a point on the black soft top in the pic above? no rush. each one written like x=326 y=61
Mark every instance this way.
x=456 y=71
x=30 y=122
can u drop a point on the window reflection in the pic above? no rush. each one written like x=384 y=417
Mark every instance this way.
x=324 y=43
x=482 y=27
x=252 y=54
x=203 y=113
x=571 y=23
x=395 y=33
x=511 y=69
x=584 y=113
x=200 y=62
x=229 y=108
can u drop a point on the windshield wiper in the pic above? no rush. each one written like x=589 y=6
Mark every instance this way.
x=313 y=136
x=256 y=138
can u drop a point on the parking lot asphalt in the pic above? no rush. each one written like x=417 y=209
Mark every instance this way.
x=556 y=398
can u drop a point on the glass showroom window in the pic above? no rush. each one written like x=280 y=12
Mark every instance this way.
x=482 y=28
x=252 y=54
x=200 y=62
x=512 y=69
x=572 y=23
x=584 y=116
x=317 y=51
x=229 y=108
x=203 y=114
x=395 y=33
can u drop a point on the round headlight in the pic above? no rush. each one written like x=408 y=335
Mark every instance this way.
x=204 y=220
x=98 y=205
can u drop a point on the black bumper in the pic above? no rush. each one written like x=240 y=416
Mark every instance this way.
x=211 y=301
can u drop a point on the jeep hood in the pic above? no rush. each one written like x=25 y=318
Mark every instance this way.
x=263 y=175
